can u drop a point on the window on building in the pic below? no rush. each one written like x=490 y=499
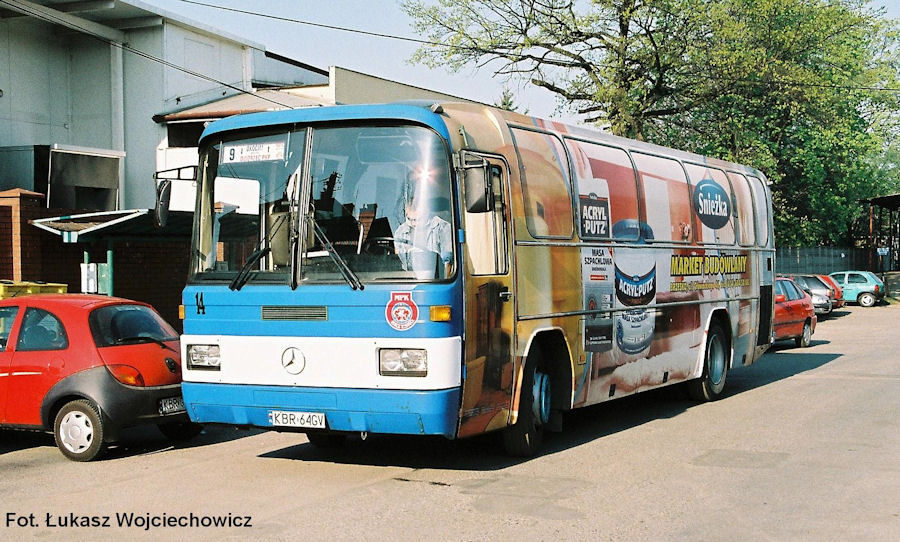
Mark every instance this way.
x=184 y=134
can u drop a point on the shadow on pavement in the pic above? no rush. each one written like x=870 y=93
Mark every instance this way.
x=485 y=452
x=147 y=439
x=134 y=440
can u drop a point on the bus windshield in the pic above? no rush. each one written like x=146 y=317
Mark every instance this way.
x=368 y=204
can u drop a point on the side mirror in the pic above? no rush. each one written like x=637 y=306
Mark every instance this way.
x=163 y=196
x=780 y=298
x=477 y=180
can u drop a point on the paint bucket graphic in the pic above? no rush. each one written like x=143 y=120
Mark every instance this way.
x=635 y=286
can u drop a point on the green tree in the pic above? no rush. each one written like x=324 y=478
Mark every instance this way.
x=788 y=86
x=623 y=62
x=508 y=102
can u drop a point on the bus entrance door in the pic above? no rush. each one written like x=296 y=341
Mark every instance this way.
x=489 y=309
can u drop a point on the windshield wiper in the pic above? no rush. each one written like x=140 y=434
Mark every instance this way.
x=244 y=274
x=348 y=274
x=143 y=339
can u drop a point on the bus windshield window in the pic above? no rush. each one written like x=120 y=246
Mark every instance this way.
x=380 y=197
x=245 y=194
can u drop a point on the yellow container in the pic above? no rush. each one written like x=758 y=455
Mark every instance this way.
x=9 y=288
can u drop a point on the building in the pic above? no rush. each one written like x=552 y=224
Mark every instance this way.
x=96 y=97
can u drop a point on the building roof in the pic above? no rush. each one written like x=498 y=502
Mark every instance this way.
x=128 y=14
x=891 y=201
x=258 y=101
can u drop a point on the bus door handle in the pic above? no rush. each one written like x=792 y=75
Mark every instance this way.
x=505 y=294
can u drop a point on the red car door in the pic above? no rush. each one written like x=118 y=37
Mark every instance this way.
x=789 y=314
x=36 y=362
x=7 y=319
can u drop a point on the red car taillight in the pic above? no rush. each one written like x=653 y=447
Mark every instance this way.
x=126 y=374
x=876 y=288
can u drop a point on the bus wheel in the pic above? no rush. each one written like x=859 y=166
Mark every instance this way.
x=710 y=385
x=524 y=438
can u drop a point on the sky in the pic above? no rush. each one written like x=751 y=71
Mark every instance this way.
x=381 y=57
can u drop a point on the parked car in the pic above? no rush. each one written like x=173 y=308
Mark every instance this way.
x=85 y=366
x=838 y=291
x=822 y=295
x=795 y=317
x=861 y=287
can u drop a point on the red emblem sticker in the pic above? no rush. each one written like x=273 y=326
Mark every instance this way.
x=401 y=312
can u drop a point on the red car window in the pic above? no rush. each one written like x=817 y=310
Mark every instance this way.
x=7 y=317
x=128 y=324
x=41 y=330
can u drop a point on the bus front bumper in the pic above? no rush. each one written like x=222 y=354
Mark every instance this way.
x=375 y=411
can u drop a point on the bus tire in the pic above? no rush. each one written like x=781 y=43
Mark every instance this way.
x=711 y=383
x=524 y=438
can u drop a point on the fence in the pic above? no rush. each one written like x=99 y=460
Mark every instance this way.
x=824 y=260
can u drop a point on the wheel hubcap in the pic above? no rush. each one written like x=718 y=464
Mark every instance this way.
x=76 y=432
x=540 y=404
x=716 y=357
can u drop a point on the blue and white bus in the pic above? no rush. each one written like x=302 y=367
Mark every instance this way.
x=453 y=269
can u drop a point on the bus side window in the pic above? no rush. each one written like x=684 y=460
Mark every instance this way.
x=762 y=213
x=486 y=232
x=607 y=191
x=745 y=209
x=545 y=184
x=713 y=204
x=666 y=197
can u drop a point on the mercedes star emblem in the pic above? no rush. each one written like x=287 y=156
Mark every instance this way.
x=293 y=361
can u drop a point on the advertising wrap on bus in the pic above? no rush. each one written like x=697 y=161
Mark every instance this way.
x=455 y=269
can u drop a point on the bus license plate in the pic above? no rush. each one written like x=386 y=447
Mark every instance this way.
x=310 y=420
x=171 y=405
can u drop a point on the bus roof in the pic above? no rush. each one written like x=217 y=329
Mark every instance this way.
x=418 y=112
x=429 y=113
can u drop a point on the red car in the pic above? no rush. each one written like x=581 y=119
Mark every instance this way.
x=838 y=291
x=86 y=366
x=795 y=317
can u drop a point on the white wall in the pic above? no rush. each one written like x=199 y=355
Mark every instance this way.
x=34 y=108
x=220 y=60
x=90 y=93
x=143 y=88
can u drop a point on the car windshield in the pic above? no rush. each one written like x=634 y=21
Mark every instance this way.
x=128 y=324
x=368 y=203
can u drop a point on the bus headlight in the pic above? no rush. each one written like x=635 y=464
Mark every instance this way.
x=203 y=357
x=402 y=362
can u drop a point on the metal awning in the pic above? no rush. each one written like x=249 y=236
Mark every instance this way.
x=128 y=225
x=891 y=202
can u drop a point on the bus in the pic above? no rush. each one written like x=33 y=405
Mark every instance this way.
x=455 y=269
